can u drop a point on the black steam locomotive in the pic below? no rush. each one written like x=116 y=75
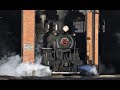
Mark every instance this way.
x=62 y=47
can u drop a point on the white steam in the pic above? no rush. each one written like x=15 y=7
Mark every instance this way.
x=27 y=69
x=13 y=66
x=90 y=69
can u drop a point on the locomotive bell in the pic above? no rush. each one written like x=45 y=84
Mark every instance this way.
x=66 y=28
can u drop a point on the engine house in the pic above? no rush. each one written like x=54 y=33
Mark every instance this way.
x=65 y=39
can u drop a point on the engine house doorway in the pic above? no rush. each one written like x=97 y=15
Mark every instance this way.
x=61 y=39
x=109 y=41
x=55 y=35
x=10 y=32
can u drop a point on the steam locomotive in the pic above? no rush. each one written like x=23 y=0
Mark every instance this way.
x=61 y=46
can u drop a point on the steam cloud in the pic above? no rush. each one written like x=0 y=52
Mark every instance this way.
x=89 y=70
x=13 y=66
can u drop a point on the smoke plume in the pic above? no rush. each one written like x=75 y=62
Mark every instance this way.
x=62 y=14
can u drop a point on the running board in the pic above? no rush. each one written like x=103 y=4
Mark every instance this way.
x=58 y=73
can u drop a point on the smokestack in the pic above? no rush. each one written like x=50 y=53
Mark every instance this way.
x=62 y=14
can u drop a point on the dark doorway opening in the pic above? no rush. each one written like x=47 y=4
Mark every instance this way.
x=110 y=42
x=10 y=32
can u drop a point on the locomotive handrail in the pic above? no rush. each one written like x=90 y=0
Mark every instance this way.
x=46 y=48
x=59 y=48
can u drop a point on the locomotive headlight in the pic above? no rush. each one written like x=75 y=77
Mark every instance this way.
x=65 y=28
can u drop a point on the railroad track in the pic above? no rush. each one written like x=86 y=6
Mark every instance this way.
x=62 y=77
